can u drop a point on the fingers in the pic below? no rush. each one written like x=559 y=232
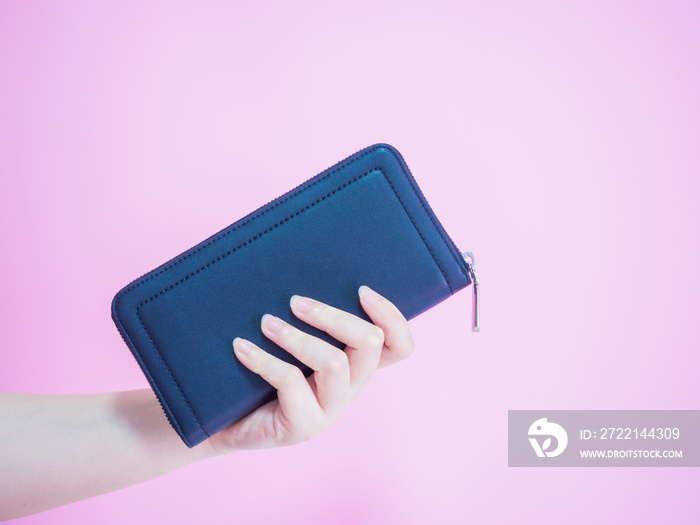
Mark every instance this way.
x=293 y=390
x=330 y=364
x=398 y=341
x=307 y=406
x=363 y=340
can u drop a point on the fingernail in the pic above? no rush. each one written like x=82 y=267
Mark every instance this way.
x=369 y=296
x=272 y=323
x=301 y=304
x=243 y=347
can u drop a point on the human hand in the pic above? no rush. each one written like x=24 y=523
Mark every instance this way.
x=305 y=407
x=47 y=459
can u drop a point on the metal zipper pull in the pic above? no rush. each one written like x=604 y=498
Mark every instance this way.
x=471 y=262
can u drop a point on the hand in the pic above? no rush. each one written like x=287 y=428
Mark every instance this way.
x=47 y=458
x=305 y=407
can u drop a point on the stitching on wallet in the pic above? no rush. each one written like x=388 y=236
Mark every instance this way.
x=254 y=238
x=184 y=397
x=430 y=215
x=260 y=212
x=295 y=214
x=419 y=233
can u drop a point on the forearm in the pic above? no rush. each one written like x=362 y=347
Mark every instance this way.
x=59 y=449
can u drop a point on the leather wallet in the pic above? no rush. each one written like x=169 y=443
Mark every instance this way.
x=363 y=221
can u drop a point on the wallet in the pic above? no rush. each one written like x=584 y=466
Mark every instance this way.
x=363 y=221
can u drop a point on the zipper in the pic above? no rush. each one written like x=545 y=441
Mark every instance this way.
x=471 y=262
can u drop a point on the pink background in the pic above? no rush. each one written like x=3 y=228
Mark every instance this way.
x=557 y=141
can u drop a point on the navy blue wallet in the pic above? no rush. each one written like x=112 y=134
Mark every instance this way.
x=362 y=221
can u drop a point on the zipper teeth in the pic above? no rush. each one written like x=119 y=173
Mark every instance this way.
x=335 y=165
x=133 y=281
x=456 y=249
x=298 y=186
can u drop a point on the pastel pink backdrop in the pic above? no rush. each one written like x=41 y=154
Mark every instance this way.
x=557 y=141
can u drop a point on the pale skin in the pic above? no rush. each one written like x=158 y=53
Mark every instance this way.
x=56 y=450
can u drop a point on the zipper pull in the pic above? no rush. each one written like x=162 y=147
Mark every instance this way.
x=471 y=262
